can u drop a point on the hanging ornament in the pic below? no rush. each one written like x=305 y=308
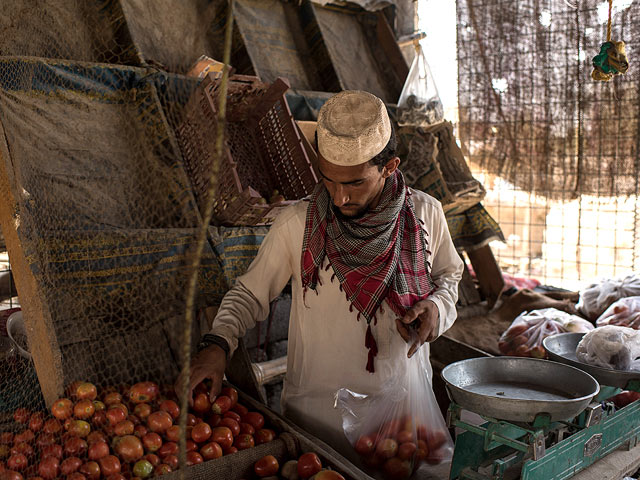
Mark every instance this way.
x=612 y=59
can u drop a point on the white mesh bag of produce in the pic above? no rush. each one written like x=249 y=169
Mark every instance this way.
x=612 y=347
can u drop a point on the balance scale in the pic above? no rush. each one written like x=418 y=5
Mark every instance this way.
x=547 y=419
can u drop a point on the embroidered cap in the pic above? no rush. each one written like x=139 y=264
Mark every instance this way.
x=353 y=127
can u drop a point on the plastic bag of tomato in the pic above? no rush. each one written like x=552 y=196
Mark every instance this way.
x=399 y=430
x=125 y=433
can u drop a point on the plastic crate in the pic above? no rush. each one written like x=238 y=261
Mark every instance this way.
x=263 y=150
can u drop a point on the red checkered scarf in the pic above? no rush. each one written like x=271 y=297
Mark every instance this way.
x=379 y=256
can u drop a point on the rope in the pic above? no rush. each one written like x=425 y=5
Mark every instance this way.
x=609 y=22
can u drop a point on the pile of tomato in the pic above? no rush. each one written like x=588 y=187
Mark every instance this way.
x=124 y=434
x=307 y=466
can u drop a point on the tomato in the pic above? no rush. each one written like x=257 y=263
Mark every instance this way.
x=6 y=438
x=407 y=450
x=213 y=420
x=21 y=415
x=211 y=451
x=240 y=409
x=5 y=451
x=70 y=465
x=255 y=419
x=143 y=392
x=172 y=461
x=124 y=428
x=152 y=442
x=26 y=436
x=114 y=476
x=404 y=436
x=328 y=475
x=75 y=447
x=49 y=468
x=153 y=459
x=232 y=393
x=80 y=428
x=99 y=419
x=142 y=410
x=99 y=406
x=397 y=469
x=170 y=407
x=98 y=450
x=54 y=450
x=10 y=475
x=202 y=432
x=308 y=465
x=222 y=436
x=173 y=433
x=221 y=405
x=247 y=428
x=233 y=415
x=84 y=409
x=115 y=415
x=266 y=466
x=142 y=469
x=17 y=462
x=36 y=421
x=85 y=391
x=109 y=465
x=436 y=438
x=230 y=450
x=91 y=470
x=162 y=469
x=201 y=403
x=194 y=458
x=169 y=448
x=159 y=422
x=96 y=436
x=623 y=399
x=62 y=408
x=243 y=441
x=264 y=435
x=231 y=425
x=436 y=457
x=192 y=420
x=387 y=448
x=364 y=445
x=129 y=448
x=140 y=431
x=112 y=398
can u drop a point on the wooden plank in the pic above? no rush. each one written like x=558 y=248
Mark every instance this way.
x=37 y=317
x=240 y=372
x=487 y=272
x=391 y=48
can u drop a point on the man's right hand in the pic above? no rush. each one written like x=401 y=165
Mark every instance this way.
x=211 y=363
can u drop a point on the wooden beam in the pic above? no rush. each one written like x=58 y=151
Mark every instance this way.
x=41 y=335
x=490 y=280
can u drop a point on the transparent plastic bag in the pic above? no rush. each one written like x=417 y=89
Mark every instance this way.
x=419 y=102
x=612 y=347
x=525 y=335
x=623 y=313
x=597 y=297
x=398 y=432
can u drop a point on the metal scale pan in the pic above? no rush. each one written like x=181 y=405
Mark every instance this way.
x=517 y=389
x=562 y=348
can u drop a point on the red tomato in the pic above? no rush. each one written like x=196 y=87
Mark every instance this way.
x=153 y=459
x=84 y=409
x=230 y=450
x=112 y=398
x=10 y=475
x=407 y=450
x=243 y=441
x=91 y=470
x=436 y=457
x=264 y=435
x=364 y=445
x=194 y=458
x=22 y=449
x=247 y=428
x=162 y=469
x=140 y=431
x=211 y=451
x=49 y=468
x=222 y=436
x=221 y=405
x=142 y=410
x=26 y=436
x=387 y=448
x=308 y=465
x=266 y=466
x=70 y=465
x=213 y=420
x=124 y=428
x=201 y=403
x=134 y=419
x=255 y=419
x=80 y=428
x=436 y=438
x=169 y=448
x=404 y=436
x=17 y=462
x=152 y=442
x=143 y=392
x=86 y=390
x=397 y=469
x=240 y=409
x=232 y=393
x=96 y=436
x=52 y=426
x=97 y=450
x=62 y=408
x=99 y=406
x=231 y=425
x=54 y=450
x=233 y=415
x=99 y=418
x=172 y=461
x=159 y=422
x=75 y=447
x=129 y=448
x=21 y=415
x=170 y=407
x=110 y=465
x=192 y=446
x=202 y=431
x=36 y=421
x=6 y=438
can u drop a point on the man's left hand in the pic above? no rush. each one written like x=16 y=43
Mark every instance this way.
x=419 y=324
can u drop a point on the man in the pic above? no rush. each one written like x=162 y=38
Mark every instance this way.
x=372 y=268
